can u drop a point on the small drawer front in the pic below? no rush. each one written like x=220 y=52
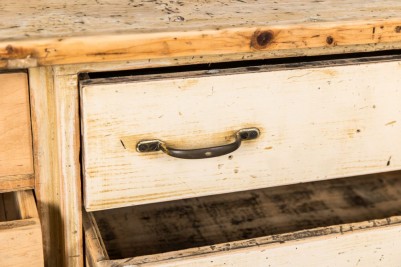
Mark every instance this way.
x=341 y=222
x=316 y=121
x=20 y=231
x=16 y=160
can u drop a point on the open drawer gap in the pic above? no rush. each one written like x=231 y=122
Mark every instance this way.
x=250 y=217
x=9 y=210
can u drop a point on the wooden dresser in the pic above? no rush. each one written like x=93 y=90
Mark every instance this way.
x=200 y=133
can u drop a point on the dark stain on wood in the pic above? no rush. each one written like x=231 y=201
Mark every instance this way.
x=107 y=234
x=261 y=39
x=253 y=68
x=329 y=40
x=108 y=53
x=14 y=52
x=388 y=161
x=9 y=49
x=122 y=143
x=398 y=29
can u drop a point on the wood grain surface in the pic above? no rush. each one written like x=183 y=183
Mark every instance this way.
x=323 y=121
x=16 y=182
x=55 y=32
x=57 y=169
x=16 y=159
x=20 y=232
x=264 y=221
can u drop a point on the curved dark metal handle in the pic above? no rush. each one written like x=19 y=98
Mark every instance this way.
x=201 y=153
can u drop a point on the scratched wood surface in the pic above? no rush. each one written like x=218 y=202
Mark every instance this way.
x=55 y=32
x=16 y=160
x=55 y=120
x=324 y=122
x=20 y=232
x=201 y=227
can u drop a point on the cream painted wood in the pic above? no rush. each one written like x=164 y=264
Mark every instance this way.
x=20 y=234
x=316 y=123
x=102 y=31
x=16 y=160
x=360 y=244
x=374 y=247
x=352 y=221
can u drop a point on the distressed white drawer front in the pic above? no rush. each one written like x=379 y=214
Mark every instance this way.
x=317 y=121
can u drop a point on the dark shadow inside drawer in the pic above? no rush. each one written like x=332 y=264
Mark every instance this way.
x=9 y=207
x=169 y=226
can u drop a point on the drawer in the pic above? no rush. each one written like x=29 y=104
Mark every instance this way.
x=16 y=160
x=20 y=232
x=352 y=221
x=317 y=120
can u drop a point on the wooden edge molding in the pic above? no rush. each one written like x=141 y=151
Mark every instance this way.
x=26 y=204
x=16 y=182
x=95 y=251
x=264 y=243
x=354 y=36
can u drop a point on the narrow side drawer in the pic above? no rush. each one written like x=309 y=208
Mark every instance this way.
x=16 y=160
x=20 y=231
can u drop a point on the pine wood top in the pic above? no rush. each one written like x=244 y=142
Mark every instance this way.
x=59 y=32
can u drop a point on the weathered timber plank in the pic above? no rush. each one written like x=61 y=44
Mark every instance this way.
x=172 y=29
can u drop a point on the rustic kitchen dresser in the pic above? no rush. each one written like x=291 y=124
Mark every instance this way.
x=200 y=133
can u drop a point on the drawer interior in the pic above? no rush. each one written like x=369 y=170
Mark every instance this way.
x=18 y=205
x=250 y=215
x=9 y=210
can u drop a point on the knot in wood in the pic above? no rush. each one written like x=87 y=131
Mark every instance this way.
x=262 y=39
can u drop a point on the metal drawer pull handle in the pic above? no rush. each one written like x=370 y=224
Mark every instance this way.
x=201 y=153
